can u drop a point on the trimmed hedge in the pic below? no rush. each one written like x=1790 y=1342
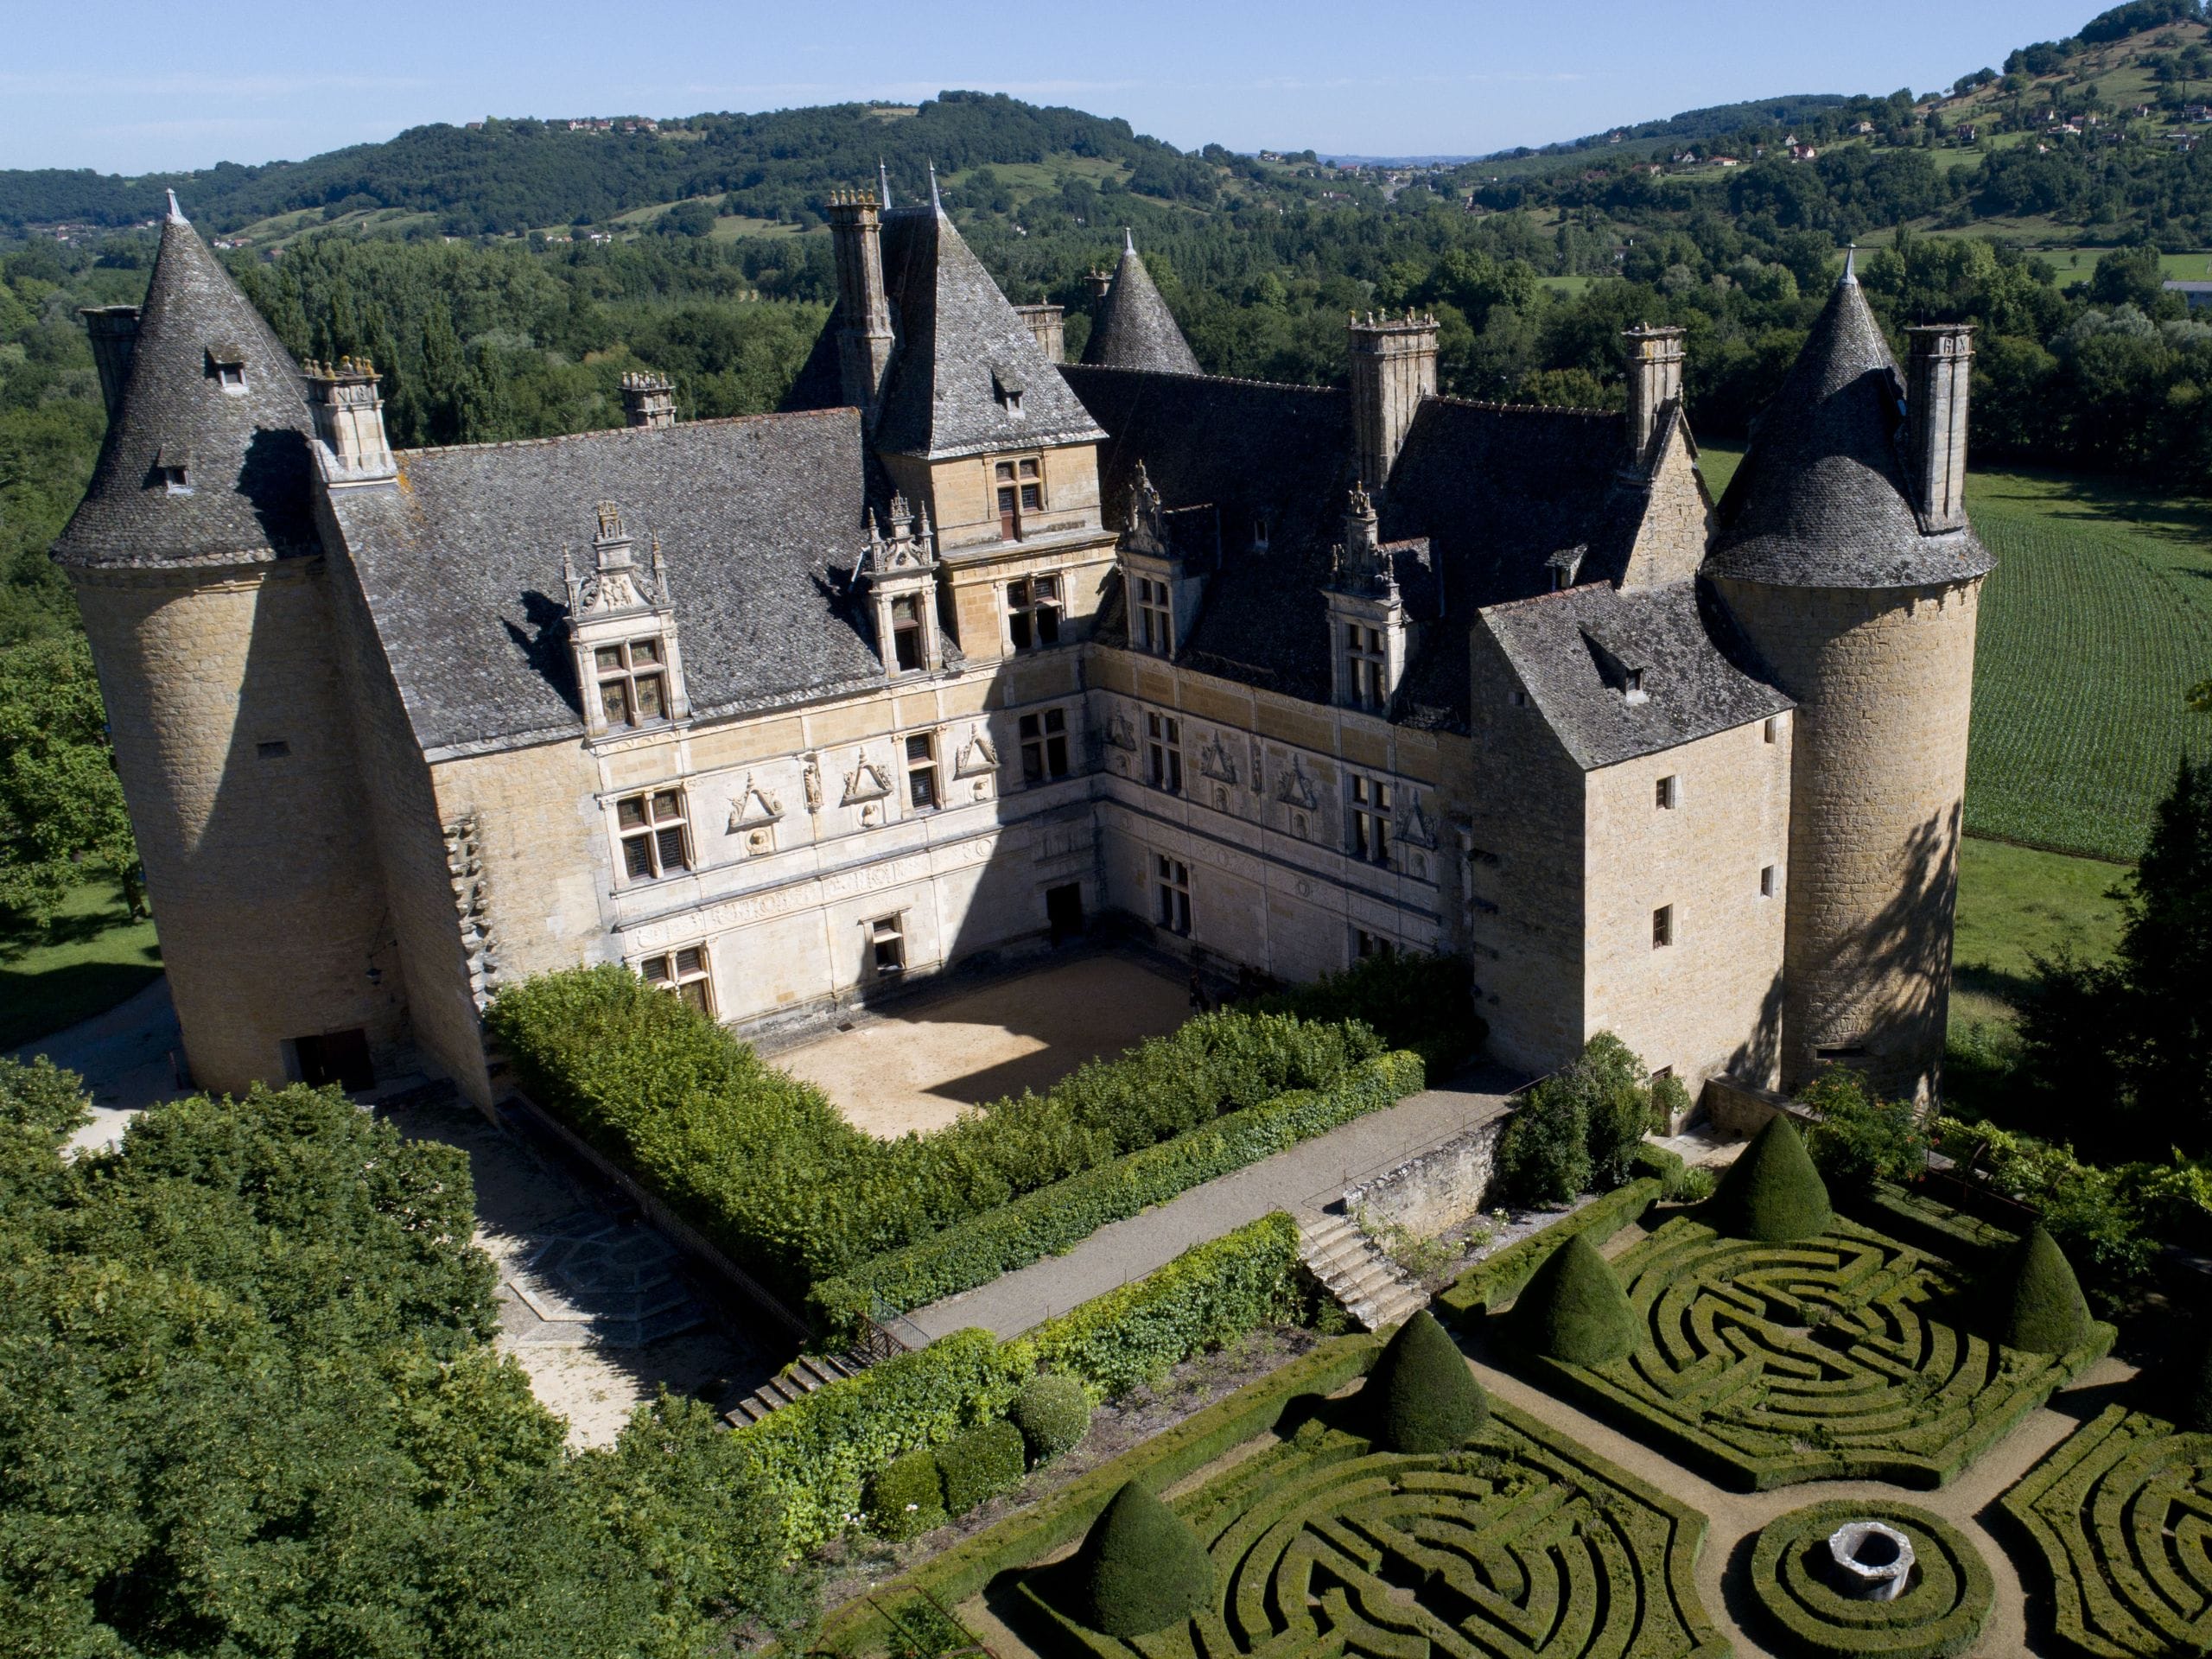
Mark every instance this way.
x=2036 y=1304
x=905 y=1498
x=1053 y=1414
x=1421 y=1002
x=1771 y=1193
x=1055 y=1220
x=1491 y=1283
x=1140 y=1568
x=1574 y=1310
x=1940 y=1612
x=980 y=1464
x=1420 y=1397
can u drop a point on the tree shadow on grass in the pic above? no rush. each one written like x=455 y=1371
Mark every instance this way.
x=36 y=1005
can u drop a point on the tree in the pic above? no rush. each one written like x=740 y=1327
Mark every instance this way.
x=1141 y=1568
x=1771 y=1193
x=1573 y=1309
x=62 y=810
x=1420 y=1397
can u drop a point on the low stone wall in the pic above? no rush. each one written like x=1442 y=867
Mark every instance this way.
x=1741 y=1110
x=1435 y=1189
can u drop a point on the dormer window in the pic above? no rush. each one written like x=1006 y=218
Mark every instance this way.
x=1366 y=666
x=1155 y=630
x=906 y=632
x=1006 y=385
x=1566 y=565
x=633 y=682
x=227 y=366
x=173 y=467
x=1633 y=685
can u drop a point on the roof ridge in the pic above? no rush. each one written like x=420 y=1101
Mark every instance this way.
x=1455 y=402
x=1216 y=379
x=613 y=431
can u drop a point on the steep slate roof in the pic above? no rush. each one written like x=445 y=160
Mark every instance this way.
x=759 y=520
x=957 y=334
x=246 y=453
x=1134 y=329
x=1568 y=649
x=1821 y=499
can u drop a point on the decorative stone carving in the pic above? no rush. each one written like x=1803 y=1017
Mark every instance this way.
x=977 y=756
x=1258 y=780
x=1295 y=789
x=472 y=906
x=865 y=782
x=1216 y=760
x=1121 y=732
x=754 y=815
x=813 y=783
x=1415 y=829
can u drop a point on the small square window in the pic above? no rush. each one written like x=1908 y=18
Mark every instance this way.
x=1766 y=882
x=1520 y=699
x=1663 y=927
x=1667 y=793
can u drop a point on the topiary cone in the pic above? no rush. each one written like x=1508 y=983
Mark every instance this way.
x=2193 y=1409
x=1420 y=1397
x=1771 y=1193
x=1574 y=1310
x=1140 y=1568
x=2041 y=1309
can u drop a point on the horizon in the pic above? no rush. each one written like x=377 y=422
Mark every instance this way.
x=262 y=84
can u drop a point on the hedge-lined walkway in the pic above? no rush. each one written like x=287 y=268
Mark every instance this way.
x=1301 y=1180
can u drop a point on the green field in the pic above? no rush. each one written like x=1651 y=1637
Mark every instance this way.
x=90 y=958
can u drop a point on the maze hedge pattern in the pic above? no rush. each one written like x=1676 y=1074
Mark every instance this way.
x=1520 y=1544
x=1940 y=1613
x=1825 y=1359
x=2122 y=1512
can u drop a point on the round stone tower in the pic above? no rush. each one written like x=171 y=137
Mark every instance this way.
x=1843 y=554
x=197 y=565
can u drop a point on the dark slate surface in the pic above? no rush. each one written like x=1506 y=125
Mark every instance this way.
x=250 y=471
x=1134 y=329
x=1821 y=499
x=759 y=520
x=958 y=338
x=1560 y=645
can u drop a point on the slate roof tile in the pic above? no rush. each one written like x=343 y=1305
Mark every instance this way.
x=1134 y=329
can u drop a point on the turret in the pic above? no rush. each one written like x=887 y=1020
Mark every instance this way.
x=1134 y=329
x=1393 y=369
x=864 y=332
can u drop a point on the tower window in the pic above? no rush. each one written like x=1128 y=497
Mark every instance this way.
x=656 y=837
x=921 y=771
x=1033 y=611
x=1663 y=927
x=1163 y=744
x=227 y=366
x=1667 y=793
x=886 y=945
x=1769 y=727
x=275 y=749
x=1021 y=486
x=682 y=974
x=1044 y=747
x=1365 y=665
x=1766 y=881
x=1370 y=819
x=1155 y=618
x=1633 y=685
x=633 y=682
x=906 y=632
x=173 y=468
x=1173 y=878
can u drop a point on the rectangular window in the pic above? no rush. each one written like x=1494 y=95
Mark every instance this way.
x=1666 y=794
x=921 y=771
x=1021 y=486
x=1033 y=611
x=1769 y=727
x=1365 y=665
x=1373 y=944
x=1766 y=882
x=1174 y=882
x=1663 y=927
x=1370 y=819
x=1155 y=618
x=684 y=975
x=633 y=682
x=886 y=945
x=656 y=839
x=906 y=632
x=1044 y=747
x=1164 y=743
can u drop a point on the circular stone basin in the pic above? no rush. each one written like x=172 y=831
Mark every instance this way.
x=1873 y=1561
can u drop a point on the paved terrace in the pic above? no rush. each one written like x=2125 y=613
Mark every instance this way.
x=1304 y=1180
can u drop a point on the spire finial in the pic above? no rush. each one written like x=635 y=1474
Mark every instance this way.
x=1129 y=241
x=1851 y=266
x=883 y=184
x=935 y=206
x=176 y=213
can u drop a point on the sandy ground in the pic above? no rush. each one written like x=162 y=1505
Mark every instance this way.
x=918 y=1066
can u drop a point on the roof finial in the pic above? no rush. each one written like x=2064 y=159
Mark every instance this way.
x=883 y=184
x=176 y=213
x=1851 y=266
x=1129 y=241
x=935 y=206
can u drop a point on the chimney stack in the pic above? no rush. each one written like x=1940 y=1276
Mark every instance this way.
x=1101 y=283
x=1939 y=370
x=1392 y=369
x=1654 y=379
x=649 y=400
x=347 y=399
x=1046 y=325
x=114 y=332
x=864 y=339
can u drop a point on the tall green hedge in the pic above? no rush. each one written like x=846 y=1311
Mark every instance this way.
x=1421 y=1002
x=765 y=1167
x=1056 y=1218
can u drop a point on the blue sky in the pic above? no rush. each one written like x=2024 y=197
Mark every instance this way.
x=134 y=85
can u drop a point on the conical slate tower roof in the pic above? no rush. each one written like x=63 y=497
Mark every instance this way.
x=1134 y=329
x=1821 y=500
x=244 y=449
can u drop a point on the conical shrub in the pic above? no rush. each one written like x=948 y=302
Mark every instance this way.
x=2192 y=1397
x=1420 y=1397
x=1771 y=1193
x=1140 y=1568
x=2038 y=1302
x=1574 y=1309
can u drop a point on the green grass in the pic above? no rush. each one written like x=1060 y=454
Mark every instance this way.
x=89 y=959
x=2019 y=902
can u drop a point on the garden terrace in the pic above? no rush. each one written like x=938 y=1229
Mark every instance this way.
x=1833 y=1358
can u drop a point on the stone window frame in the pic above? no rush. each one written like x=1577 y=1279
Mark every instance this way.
x=654 y=837
x=886 y=945
x=1171 y=885
x=1367 y=662
x=1366 y=944
x=1043 y=735
x=1667 y=793
x=909 y=616
x=1034 y=614
x=685 y=973
x=924 y=790
x=625 y=677
x=1663 y=928
x=1368 y=805
x=1163 y=743
x=1154 y=634
x=1017 y=489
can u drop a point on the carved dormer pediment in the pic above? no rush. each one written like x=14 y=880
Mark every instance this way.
x=1217 y=759
x=865 y=782
x=976 y=757
x=1295 y=789
x=622 y=630
x=1415 y=829
x=754 y=805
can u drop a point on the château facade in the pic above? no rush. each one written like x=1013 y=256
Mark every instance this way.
x=968 y=646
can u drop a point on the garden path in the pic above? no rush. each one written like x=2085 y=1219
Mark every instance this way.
x=1303 y=1180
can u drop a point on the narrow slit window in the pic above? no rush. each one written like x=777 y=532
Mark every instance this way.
x=1663 y=927
x=1667 y=793
x=1766 y=881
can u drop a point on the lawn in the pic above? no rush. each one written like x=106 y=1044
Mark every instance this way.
x=2015 y=903
x=89 y=959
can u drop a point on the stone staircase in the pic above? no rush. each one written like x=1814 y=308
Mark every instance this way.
x=795 y=1381
x=1358 y=1273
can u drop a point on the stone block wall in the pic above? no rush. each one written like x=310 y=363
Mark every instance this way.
x=1435 y=1189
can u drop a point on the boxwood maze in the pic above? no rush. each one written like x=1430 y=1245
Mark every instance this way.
x=1520 y=1543
x=1940 y=1612
x=1827 y=1359
x=2122 y=1512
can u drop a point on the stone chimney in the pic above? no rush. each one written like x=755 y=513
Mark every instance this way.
x=1654 y=379
x=649 y=400
x=1393 y=368
x=1046 y=324
x=864 y=338
x=114 y=332
x=1101 y=283
x=347 y=399
x=1938 y=369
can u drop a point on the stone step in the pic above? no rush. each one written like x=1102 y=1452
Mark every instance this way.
x=801 y=1377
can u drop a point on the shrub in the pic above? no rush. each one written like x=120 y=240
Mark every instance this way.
x=1862 y=1139
x=1771 y=1193
x=1053 y=1414
x=1140 y=1568
x=905 y=1498
x=2087 y=1208
x=980 y=1464
x=1423 y=1003
x=1689 y=1186
x=1574 y=1310
x=1616 y=1105
x=2036 y=1304
x=1670 y=1103
x=1544 y=1157
x=1491 y=1284
x=1420 y=1397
